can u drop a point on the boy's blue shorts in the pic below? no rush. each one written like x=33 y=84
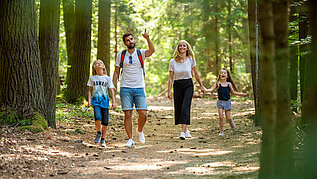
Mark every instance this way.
x=102 y=114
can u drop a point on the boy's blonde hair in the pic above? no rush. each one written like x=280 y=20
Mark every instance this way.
x=189 y=51
x=93 y=67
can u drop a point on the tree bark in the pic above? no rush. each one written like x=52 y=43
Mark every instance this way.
x=217 y=60
x=267 y=156
x=79 y=71
x=69 y=24
x=20 y=68
x=309 y=170
x=284 y=155
x=49 y=38
x=293 y=62
x=103 y=51
x=230 y=37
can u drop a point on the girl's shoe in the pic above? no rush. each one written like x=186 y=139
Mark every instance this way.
x=221 y=133
x=98 y=136
x=187 y=134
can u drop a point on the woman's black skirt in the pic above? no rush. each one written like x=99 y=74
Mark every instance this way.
x=183 y=94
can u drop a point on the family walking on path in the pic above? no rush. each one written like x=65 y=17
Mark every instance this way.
x=132 y=89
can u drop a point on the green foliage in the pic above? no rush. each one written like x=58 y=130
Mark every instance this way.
x=8 y=117
x=39 y=124
x=78 y=131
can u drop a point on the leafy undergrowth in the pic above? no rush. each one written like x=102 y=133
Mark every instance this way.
x=69 y=150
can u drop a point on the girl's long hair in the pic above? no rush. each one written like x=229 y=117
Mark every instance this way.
x=229 y=79
x=93 y=68
x=189 y=52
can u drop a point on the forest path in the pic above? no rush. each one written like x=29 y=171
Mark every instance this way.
x=63 y=153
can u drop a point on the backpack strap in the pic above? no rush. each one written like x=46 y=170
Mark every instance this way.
x=121 y=62
x=140 y=59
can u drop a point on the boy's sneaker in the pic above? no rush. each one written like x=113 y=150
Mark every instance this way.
x=141 y=136
x=130 y=143
x=103 y=143
x=187 y=134
x=182 y=136
x=97 y=138
x=221 y=133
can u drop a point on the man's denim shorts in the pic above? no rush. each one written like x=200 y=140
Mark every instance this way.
x=102 y=114
x=224 y=104
x=130 y=96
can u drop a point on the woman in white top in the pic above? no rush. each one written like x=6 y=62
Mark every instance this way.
x=180 y=69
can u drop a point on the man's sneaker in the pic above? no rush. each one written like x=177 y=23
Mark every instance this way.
x=130 y=143
x=103 y=143
x=182 y=136
x=221 y=133
x=141 y=136
x=97 y=138
x=187 y=134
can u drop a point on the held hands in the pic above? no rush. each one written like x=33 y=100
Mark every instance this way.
x=203 y=89
x=145 y=34
x=89 y=103
x=242 y=94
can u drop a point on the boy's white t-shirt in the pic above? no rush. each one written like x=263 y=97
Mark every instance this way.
x=182 y=70
x=132 y=74
x=100 y=84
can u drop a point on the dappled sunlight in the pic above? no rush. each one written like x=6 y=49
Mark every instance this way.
x=12 y=157
x=48 y=151
x=219 y=164
x=161 y=108
x=198 y=152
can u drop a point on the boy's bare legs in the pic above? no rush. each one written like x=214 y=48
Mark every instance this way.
x=104 y=131
x=98 y=125
x=229 y=120
x=128 y=122
x=220 y=113
x=141 y=119
x=184 y=127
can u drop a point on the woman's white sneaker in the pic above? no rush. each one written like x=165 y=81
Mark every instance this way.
x=182 y=136
x=187 y=134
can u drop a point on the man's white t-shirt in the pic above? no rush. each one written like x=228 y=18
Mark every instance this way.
x=132 y=74
x=182 y=70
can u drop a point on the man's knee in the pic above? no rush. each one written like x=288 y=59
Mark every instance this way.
x=142 y=113
x=128 y=115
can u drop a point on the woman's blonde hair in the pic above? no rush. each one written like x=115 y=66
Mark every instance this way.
x=189 y=51
x=93 y=67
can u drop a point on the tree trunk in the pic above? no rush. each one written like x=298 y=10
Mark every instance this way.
x=20 y=68
x=311 y=117
x=230 y=37
x=303 y=32
x=284 y=155
x=293 y=63
x=103 y=51
x=115 y=30
x=217 y=61
x=255 y=63
x=79 y=71
x=69 y=24
x=269 y=106
x=49 y=53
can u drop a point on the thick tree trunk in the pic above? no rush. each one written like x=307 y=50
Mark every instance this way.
x=311 y=103
x=20 y=68
x=49 y=38
x=79 y=71
x=69 y=24
x=284 y=155
x=269 y=106
x=115 y=30
x=103 y=51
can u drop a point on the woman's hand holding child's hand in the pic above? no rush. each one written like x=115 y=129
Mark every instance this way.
x=243 y=94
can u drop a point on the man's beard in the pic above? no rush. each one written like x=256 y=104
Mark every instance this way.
x=131 y=46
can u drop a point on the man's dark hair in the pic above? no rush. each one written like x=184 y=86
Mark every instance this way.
x=126 y=35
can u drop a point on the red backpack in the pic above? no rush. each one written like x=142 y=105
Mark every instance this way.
x=139 y=56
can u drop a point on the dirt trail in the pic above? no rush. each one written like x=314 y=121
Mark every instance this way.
x=62 y=153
